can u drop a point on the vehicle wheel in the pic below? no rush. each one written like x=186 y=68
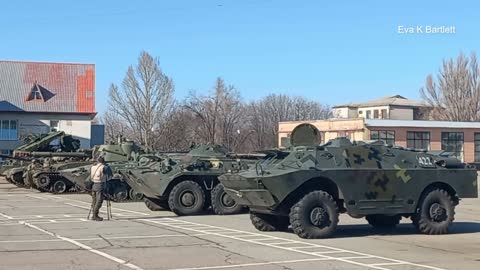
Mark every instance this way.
x=222 y=203
x=269 y=223
x=186 y=198
x=42 y=182
x=383 y=221
x=120 y=193
x=315 y=215
x=18 y=179
x=435 y=212
x=135 y=196
x=156 y=204
x=59 y=186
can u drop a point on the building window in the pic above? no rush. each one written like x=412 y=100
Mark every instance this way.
x=344 y=134
x=453 y=142
x=8 y=130
x=360 y=112
x=35 y=93
x=384 y=114
x=375 y=114
x=369 y=114
x=418 y=140
x=285 y=141
x=383 y=135
x=477 y=147
x=54 y=125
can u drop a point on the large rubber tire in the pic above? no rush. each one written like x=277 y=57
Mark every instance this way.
x=435 y=212
x=135 y=196
x=268 y=223
x=222 y=203
x=315 y=215
x=383 y=221
x=59 y=186
x=156 y=204
x=187 y=198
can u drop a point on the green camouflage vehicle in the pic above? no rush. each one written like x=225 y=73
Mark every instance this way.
x=117 y=155
x=13 y=168
x=43 y=173
x=187 y=184
x=309 y=185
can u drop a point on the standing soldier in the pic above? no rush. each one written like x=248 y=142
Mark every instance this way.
x=28 y=173
x=99 y=174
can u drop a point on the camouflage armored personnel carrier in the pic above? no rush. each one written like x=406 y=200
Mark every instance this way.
x=309 y=185
x=117 y=155
x=187 y=184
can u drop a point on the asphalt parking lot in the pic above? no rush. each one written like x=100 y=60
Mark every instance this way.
x=46 y=231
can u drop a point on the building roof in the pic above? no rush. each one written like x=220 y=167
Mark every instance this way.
x=419 y=123
x=47 y=87
x=396 y=100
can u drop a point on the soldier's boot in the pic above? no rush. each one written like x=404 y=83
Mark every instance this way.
x=96 y=217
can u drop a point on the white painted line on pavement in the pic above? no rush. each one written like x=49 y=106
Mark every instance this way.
x=32 y=206
x=103 y=238
x=37 y=197
x=14 y=193
x=88 y=248
x=386 y=264
x=333 y=250
x=328 y=252
x=105 y=211
x=30 y=241
x=5 y=216
x=252 y=264
x=9 y=224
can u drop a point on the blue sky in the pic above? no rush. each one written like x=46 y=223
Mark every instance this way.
x=333 y=52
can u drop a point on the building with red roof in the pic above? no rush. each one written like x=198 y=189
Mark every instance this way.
x=36 y=97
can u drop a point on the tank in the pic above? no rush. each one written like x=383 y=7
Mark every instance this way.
x=117 y=155
x=13 y=169
x=43 y=173
x=308 y=185
x=187 y=184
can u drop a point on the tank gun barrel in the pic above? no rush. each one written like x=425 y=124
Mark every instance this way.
x=15 y=158
x=40 y=141
x=59 y=154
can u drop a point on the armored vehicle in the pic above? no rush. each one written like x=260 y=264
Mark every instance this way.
x=13 y=169
x=187 y=184
x=44 y=171
x=117 y=155
x=307 y=186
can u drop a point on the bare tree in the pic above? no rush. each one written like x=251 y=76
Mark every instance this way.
x=218 y=115
x=455 y=95
x=178 y=133
x=114 y=126
x=144 y=99
x=265 y=114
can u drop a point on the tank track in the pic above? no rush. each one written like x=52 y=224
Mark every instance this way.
x=75 y=189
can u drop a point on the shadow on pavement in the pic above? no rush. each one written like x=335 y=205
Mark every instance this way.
x=345 y=231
